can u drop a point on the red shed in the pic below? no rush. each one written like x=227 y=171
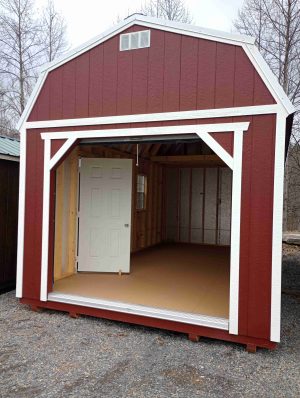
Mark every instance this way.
x=151 y=185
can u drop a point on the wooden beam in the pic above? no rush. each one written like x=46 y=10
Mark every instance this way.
x=154 y=150
x=187 y=158
x=145 y=149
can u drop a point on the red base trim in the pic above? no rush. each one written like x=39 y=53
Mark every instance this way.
x=193 y=331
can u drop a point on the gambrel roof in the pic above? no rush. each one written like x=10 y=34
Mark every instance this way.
x=246 y=42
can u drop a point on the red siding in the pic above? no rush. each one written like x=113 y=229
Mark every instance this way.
x=256 y=220
x=176 y=73
x=256 y=227
x=225 y=140
x=33 y=215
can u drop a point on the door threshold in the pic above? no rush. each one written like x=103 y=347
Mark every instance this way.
x=141 y=310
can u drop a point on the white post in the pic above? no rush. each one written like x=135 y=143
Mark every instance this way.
x=235 y=232
x=45 y=227
x=21 y=216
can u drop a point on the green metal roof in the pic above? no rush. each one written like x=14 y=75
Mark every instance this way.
x=9 y=146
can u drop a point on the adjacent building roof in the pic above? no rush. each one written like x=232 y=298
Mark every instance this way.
x=9 y=146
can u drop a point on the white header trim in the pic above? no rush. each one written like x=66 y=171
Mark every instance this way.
x=148 y=131
x=156 y=117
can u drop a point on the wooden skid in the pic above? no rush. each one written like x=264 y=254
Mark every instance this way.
x=191 y=330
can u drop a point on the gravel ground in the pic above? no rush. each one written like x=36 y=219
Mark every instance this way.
x=48 y=354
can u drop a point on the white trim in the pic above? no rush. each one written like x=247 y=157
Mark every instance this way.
x=235 y=232
x=268 y=77
x=277 y=227
x=21 y=215
x=45 y=227
x=149 y=131
x=127 y=308
x=201 y=131
x=31 y=100
x=157 y=117
x=9 y=157
x=217 y=148
x=60 y=153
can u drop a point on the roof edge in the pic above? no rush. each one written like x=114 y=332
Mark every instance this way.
x=156 y=23
x=246 y=42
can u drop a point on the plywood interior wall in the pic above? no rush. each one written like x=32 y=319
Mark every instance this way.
x=198 y=205
x=66 y=216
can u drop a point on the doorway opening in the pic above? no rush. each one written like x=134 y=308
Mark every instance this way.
x=172 y=252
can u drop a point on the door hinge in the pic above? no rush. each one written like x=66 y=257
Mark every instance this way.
x=79 y=162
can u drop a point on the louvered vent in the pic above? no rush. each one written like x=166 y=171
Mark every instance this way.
x=124 y=42
x=135 y=40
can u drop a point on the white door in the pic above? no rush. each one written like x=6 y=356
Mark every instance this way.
x=104 y=215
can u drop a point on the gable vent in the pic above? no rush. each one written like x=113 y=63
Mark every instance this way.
x=134 y=40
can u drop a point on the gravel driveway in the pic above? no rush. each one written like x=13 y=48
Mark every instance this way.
x=48 y=354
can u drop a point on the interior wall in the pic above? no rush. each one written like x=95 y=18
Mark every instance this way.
x=66 y=216
x=198 y=205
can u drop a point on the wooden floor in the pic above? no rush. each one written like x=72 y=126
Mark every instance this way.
x=181 y=277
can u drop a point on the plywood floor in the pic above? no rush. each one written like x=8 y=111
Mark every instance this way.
x=181 y=277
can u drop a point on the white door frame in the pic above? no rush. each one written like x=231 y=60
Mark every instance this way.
x=234 y=162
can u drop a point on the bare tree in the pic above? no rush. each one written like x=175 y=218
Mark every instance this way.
x=174 y=10
x=27 y=40
x=54 y=31
x=20 y=51
x=276 y=26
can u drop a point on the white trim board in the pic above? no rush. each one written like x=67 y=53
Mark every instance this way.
x=234 y=162
x=127 y=308
x=21 y=215
x=157 y=117
x=277 y=227
x=148 y=131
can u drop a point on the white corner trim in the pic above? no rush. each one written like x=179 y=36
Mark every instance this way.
x=45 y=225
x=235 y=231
x=157 y=117
x=60 y=153
x=140 y=310
x=277 y=227
x=21 y=215
x=201 y=131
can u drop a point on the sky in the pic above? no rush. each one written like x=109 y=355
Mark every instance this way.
x=88 y=18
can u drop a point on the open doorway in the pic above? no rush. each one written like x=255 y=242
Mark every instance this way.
x=176 y=243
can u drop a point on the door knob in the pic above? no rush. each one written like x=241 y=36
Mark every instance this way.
x=126 y=225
